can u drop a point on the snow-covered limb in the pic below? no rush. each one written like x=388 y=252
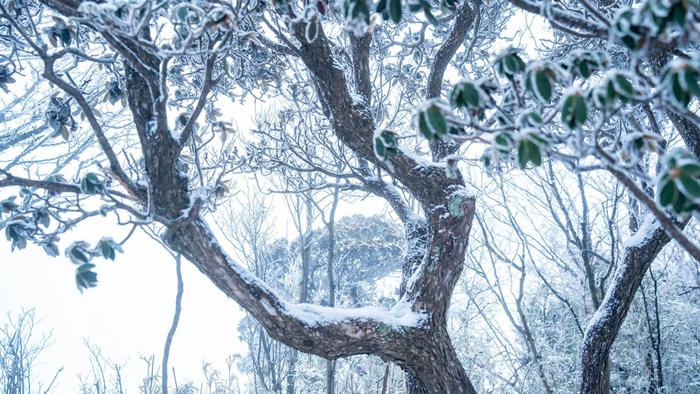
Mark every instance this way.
x=326 y=332
x=640 y=251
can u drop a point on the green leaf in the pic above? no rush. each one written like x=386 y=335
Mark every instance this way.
x=690 y=186
x=91 y=184
x=584 y=69
x=379 y=148
x=394 y=10
x=85 y=278
x=690 y=169
x=623 y=85
x=574 y=111
x=436 y=120
x=66 y=36
x=430 y=17
x=544 y=85
x=79 y=252
x=423 y=127
x=508 y=63
x=680 y=96
x=513 y=64
x=667 y=194
x=382 y=8
x=466 y=95
x=79 y=255
x=472 y=95
x=691 y=80
x=51 y=249
x=678 y=14
x=532 y=119
x=681 y=204
x=529 y=151
x=311 y=31
x=17 y=235
x=182 y=13
x=106 y=249
x=8 y=205
x=502 y=142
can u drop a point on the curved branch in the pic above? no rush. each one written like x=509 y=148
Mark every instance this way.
x=327 y=332
x=463 y=22
x=173 y=326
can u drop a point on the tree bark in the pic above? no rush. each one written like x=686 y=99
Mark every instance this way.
x=424 y=351
x=603 y=328
x=438 y=369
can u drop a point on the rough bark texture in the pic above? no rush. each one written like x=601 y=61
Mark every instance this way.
x=602 y=331
x=463 y=23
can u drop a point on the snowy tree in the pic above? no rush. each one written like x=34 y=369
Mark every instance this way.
x=133 y=127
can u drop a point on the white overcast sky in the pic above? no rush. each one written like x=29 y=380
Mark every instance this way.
x=128 y=314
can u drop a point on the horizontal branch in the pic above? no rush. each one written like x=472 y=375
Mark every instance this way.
x=58 y=187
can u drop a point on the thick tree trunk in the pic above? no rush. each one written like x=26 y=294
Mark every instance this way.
x=437 y=368
x=425 y=351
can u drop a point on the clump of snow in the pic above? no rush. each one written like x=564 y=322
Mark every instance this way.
x=645 y=231
x=401 y=315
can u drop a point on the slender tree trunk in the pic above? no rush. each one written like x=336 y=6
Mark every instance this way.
x=305 y=236
x=330 y=376
x=173 y=326
x=603 y=328
x=330 y=271
x=385 y=378
x=649 y=366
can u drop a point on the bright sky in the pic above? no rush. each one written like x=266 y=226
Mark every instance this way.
x=127 y=315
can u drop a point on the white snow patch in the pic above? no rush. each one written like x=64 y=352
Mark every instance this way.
x=400 y=315
x=645 y=231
